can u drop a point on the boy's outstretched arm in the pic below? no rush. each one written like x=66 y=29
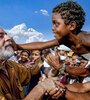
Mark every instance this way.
x=38 y=45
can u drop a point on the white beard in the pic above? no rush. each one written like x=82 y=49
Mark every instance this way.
x=6 y=54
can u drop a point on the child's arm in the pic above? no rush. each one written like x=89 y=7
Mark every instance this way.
x=38 y=45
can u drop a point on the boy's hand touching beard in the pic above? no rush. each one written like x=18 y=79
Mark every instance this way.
x=14 y=44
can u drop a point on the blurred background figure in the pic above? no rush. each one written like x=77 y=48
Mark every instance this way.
x=24 y=58
x=17 y=56
x=36 y=55
x=63 y=51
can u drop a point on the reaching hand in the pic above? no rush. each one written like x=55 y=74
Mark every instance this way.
x=54 y=60
x=14 y=44
x=58 y=91
x=47 y=84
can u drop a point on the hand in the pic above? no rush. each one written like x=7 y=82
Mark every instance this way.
x=37 y=62
x=14 y=44
x=54 y=61
x=58 y=92
x=35 y=66
x=47 y=84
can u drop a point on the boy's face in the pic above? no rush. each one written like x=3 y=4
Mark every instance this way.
x=59 y=28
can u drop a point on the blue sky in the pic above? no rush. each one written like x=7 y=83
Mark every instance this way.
x=35 y=14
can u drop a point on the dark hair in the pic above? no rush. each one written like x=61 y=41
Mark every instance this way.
x=25 y=51
x=71 y=11
x=38 y=50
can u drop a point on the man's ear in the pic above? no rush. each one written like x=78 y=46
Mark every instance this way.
x=72 y=25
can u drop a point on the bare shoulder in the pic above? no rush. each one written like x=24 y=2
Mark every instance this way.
x=84 y=36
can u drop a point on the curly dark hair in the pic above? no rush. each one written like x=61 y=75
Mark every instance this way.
x=71 y=11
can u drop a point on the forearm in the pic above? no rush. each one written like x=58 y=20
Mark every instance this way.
x=38 y=45
x=39 y=90
x=71 y=96
x=82 y=72
x=77 y=96
x=36 y=93
x=79 y=87
x=76 y=87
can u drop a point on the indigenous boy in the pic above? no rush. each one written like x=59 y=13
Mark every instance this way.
x=68 y=19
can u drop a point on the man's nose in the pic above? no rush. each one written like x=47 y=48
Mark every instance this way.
x=7 y=37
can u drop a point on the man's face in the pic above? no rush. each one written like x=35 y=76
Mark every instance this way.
x=6 y=49
x=59 y=28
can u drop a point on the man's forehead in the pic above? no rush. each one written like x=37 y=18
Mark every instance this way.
x=2 y=31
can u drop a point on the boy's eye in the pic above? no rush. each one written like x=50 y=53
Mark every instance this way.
x=55 y=23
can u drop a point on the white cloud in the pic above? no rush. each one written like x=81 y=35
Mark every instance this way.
x=22 y=34
x=16 y=38
x=44 y=12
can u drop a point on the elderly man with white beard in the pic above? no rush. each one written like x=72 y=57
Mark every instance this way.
x=13 y=75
